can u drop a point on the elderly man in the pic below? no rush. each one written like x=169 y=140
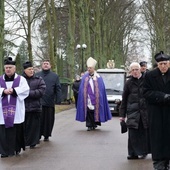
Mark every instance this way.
x=33 y=107
x=157 y=94
x=133 y=107
x=92 y=105
x=13 y=90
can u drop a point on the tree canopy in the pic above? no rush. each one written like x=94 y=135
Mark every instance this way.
x=112 y=30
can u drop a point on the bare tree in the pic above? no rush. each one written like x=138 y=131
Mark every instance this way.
x=108 y=28
x=157 y=17
x=21 y=18
x=50 y=36
x=113 y=26
x=1 y=33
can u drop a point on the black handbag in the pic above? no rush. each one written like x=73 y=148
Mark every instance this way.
x=123 y=127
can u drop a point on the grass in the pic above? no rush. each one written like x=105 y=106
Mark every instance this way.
x=63 y=107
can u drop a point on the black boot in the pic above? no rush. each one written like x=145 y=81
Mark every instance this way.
x=89 y=129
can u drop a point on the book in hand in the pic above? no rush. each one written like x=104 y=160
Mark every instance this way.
x=123 y=127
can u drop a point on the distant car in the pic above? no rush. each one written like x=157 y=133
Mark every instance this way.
x=114 y=80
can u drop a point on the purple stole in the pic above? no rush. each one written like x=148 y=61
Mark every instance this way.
x=9 y=107
x=94 y=97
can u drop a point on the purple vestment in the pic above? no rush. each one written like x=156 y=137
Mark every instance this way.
x=9 y=107
x=101 y=112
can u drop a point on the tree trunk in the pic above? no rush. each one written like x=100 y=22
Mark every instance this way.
x=87 y=41
x=55 y=38
x=29 y=31
x=1 y=34
x=71 y=40
x=97 y=54
x=50 y=39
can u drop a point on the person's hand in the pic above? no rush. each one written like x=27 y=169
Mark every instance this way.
x=8 y=91
x=122 y=119
x=167 y=97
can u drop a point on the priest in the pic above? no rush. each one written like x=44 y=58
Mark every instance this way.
x=13 y=90
x=92 y=106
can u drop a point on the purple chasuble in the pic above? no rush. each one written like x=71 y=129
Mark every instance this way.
x=91 y=94
x=9 y=107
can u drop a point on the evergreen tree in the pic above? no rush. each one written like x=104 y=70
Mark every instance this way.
x=19 y=68
x=23 y=52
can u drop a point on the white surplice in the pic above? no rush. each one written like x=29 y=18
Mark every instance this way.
x=22 y=92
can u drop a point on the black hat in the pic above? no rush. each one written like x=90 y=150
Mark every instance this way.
x=8 y=61
x=143 y=63
x=161 y=57
x=27 y=64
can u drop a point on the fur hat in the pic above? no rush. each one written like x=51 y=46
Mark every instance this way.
x=161 y=57
x=27 y=64
x=8 y=61
x=91 y=62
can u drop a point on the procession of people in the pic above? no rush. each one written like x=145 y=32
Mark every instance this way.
x=27 y=107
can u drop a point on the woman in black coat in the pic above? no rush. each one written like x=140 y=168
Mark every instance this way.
x=133 y=107
x=33 y=105
x=75 y=88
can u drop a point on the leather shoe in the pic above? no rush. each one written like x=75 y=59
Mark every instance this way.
x=32 y=146
x=94 y=127
x=17 y=153
x=89 y=129
x=142 y=156
x=132 y=157
x=4 y=156
x=46 y=139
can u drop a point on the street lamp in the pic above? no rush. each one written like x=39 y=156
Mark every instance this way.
x=82 y=47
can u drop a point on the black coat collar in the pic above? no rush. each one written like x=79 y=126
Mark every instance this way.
x=158 y=75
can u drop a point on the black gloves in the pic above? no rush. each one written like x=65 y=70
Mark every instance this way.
x=167 y=97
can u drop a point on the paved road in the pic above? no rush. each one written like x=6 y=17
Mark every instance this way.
x=73 y=148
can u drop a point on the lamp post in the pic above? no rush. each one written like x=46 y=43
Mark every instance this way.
x=82 y=47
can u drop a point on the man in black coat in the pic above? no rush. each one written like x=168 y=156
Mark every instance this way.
x=143 y=65
x=133 y=108
x=52 y=93
x=33 y=105
x=157 y=94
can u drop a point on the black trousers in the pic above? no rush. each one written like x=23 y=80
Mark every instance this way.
x=47 y=119
x=76 y=99
x=90 y=121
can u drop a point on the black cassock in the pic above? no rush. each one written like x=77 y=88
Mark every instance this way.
x=32 y=128
x=47 y=121
x=138 y=141
x=11 y=139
